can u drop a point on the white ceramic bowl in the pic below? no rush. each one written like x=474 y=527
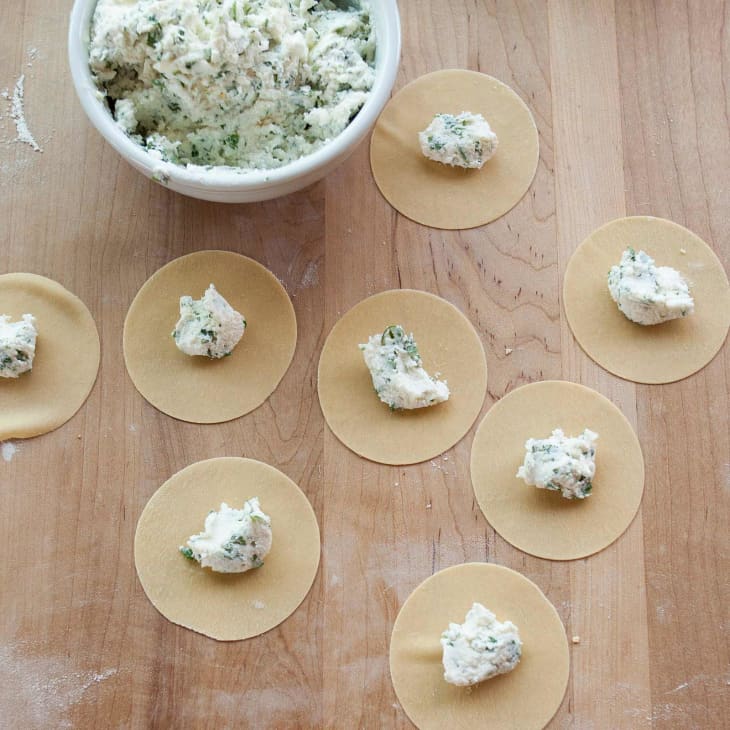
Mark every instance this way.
x=225 y=184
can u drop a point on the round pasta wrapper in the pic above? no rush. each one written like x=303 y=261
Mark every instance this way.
x=199 y=389
x=449 y=346
x=66 y=362
x=538 y=521
x=439 y=195
x=523 y=699
x=661 y=353
x=226 y=606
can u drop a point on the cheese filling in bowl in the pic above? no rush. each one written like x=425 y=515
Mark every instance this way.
x=234 y=100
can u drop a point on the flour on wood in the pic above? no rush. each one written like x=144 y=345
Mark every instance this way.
x=17 y=111
x=43 y=688
x=311 y=275
x=8 y=450
x=32 y=55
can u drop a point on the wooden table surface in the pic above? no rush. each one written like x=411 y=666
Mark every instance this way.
x=631 y=102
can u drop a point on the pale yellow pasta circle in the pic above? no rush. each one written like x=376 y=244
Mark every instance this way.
x=447 y=197
x=538 y=521
x=226 y=606
x=524 y=699
x=198 y=389
x=659 y=353
x=66 y=361
x=449 y=345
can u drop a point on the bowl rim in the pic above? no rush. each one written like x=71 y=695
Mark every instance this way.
x=221 y=178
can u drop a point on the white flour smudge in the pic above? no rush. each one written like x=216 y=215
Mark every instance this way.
x=711 y=684
x=258 y=604
x=17 y=111
x=9 y=449
x=42 y=689
x=11 y=172
x=664 y=611
x=440 y=467
x=311 y=276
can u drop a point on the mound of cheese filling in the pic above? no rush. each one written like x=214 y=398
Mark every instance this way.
x=461 y=140
x=17 y=345
x=209 y=326
x=648 y=294
x=233 y=541
x=561 y=463
x=252 y=84
x=398 y=377
x=480 y=648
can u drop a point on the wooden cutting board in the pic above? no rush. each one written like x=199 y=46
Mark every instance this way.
x=630 y=99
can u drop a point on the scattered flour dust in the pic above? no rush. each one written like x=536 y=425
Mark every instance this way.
x=311 y=275
x=8 y=449
x=39 y=691
x=18 y=113
x=16 y=104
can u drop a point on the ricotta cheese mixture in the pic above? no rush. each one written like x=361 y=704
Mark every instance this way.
x=17 y=345
x=648 y=294
x=480 y=648
x=233 y=541
x=252 y=84
x=461 y=140
x=561 y=463
x=209 y=326
x=398 y=377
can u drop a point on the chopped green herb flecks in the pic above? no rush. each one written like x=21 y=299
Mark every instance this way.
x=463 y=140
x=233 y=540
x=17 y=345
x=397 y=375
x=249 y=84
x=154 y=35
x=208 y=326
x=648 y=294
x=561 y=463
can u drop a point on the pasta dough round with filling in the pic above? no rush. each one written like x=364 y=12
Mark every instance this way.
x=662 y=353
x=66 y=358
x=500 y=703
x=535 y=520
x=201 y=389
x=449 y=197
x=226 y=606
x=451 y=349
